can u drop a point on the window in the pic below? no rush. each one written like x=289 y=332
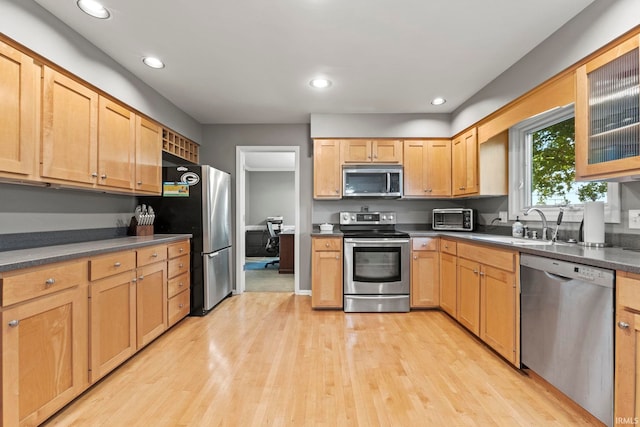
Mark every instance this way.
x=544 y=145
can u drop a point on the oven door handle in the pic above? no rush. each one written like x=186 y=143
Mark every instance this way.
x=392 y=241
x=388 y=182
x=376 y=297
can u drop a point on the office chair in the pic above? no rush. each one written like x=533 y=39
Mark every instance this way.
x=274 y=226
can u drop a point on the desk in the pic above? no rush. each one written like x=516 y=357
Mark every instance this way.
x=287 y=252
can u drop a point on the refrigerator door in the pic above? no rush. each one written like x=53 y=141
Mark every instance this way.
x=217 y=277
x=216 y=209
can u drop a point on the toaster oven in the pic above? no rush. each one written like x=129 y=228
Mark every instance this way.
x=453 y=219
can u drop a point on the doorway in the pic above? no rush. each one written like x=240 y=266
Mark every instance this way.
x=262 y=164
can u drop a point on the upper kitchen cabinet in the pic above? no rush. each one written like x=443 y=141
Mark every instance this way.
x=427 y=168
x=19 y=80
x=116 y=145
x=356 y=151
x=464 y=174
x=327 y=180
x=69 y=129
x=148 y=156
x=607 y=119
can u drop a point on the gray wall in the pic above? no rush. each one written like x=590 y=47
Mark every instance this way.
x=270 y=194
x=380 y=125
x=25 y=209
x=598 y=24
x=219 y=150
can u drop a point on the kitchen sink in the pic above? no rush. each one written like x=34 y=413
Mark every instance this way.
x=518 y=241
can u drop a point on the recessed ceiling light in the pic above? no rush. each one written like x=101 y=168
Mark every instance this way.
x=153 y=62
x=320 y=83
x=438 y=101
x=93 y=8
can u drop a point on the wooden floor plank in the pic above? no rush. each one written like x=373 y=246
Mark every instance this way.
x=267 y=359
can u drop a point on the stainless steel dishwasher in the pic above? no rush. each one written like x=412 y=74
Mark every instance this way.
x=567 y=316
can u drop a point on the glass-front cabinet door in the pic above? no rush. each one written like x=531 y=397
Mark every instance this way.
x=607 y=119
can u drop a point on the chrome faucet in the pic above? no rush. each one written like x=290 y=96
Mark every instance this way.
x=543 y=218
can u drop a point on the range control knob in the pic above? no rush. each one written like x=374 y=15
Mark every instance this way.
x=353 y=217
x=345 y=216
x=391 y=217
x=384 y=217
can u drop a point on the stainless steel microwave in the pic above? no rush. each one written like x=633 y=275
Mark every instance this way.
x=453 y=219
x=372 y=181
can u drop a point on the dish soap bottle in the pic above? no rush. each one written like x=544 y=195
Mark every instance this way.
x=517 y=229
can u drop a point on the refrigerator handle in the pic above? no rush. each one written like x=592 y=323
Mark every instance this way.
x=213 y=254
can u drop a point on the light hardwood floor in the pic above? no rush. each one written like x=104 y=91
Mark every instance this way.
x=267 y=359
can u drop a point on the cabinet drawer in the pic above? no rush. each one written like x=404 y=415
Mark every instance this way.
x=628 y=290
x=425 y=243
x=151 y=254
x=178 y=284
x=178 y=307
x=178 y=266
x=505 y=260
x=448 y=246
x=111 y=264
x=178 y=249
x=327 y=244
x=26 y=284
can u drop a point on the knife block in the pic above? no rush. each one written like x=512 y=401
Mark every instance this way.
x=139 y=230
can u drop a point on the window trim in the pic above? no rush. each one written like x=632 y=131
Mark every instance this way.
x=520 y=152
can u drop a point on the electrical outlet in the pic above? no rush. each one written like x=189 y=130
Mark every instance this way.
x=503 y=216
x=634 y=218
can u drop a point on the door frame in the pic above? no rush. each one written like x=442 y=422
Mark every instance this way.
x=240 y=227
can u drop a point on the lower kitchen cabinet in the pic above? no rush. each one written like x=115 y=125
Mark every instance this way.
x=44 y=346
x=179 y=279
x=448 y=277
x=425 y=273
x=627 y=349
x=488 y=297
x=112 y=305
x=469 y=295
x=151 y=302
x=326 y=272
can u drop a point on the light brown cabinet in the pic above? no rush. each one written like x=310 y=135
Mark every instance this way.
x=326 y=272
x=627 y=348
x=148 y=166
x=327 y=176
x=464 y=173
x=371 y=151
x=178 y=273
x=425 y=273
x=44 y=342
x=427 y=168
x=151 y=302
x=19 y=82
x=448 y=277
x=488 y=303
x=69 y=129
x=607 y=120
x=113 y=322
x=116 y=145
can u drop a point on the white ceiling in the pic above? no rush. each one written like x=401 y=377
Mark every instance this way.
x=250 y=61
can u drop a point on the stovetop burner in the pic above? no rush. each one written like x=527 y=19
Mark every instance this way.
x=370 y=225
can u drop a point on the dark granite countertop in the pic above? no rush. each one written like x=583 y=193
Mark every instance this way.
x=24 y=258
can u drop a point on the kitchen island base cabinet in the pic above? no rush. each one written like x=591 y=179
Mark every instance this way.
x=326 y=273
x=44 y=355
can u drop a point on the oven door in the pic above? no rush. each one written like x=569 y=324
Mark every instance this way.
x=376 y=266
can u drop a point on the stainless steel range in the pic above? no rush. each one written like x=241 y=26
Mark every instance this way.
x=376 y=263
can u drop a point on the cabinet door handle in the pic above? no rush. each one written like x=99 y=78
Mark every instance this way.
x=475 y=271
x=446 y=246
x=482 y=273
x=415 y=257
x=326 y=244
x=103 y=176
x=94 y=175
x=49 y=282
x=181 y=250
x=337 y=191
x=14 y=323
x=180 y=284
x=141 y=277
x=117 y=264
x=181 y=305
x=337 y=256
x=154 y=255
x=134 y=280
x=623 y=325
x=180 y=265
x=139 y=182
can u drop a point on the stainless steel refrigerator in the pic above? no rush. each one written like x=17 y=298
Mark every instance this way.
x=197 y=200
